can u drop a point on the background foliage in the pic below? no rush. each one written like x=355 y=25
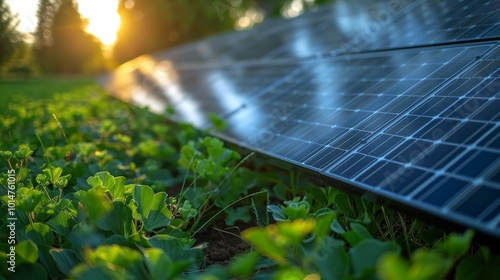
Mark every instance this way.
x=61 y=45
x=65 y=47
x=11 y=40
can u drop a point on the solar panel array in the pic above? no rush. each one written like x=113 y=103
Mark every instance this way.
x=401 y=99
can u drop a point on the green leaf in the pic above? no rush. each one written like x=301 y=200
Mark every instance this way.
x=187 y=211
x=119 y=220
x=152 y=207
x=290 y=272
x=473 y=268
x=62 y=181
x=175 y=248
x=65 y=260
x=26 y=252
x=143 y=195
x=118 y=256
x=243 y=265
x=357 y=234
x=23 y=153
x=47 y=261
x=117 y=190
x=53 y=173
x=108 y=181
x=277 y=213
x=62 y=223
x=367 y=252
x=319 y=195
x=336 y=227
x=457 y=245
x=262 y=241
x=85 y=235
x=158 y=263
x=365 y=219
x=332 y=259
x=39 y=233
x=6 y=154
x=294 y=232
x=241 y=213
x=272 y=240
x=424 y=265
x=99 y=272
x=391 y=266
x=343 y=203
x=484 y=252
x=29 y=199
x=158 y=218
x=360 y=230
x=429 y=265
x=322 y=227
x=94 y=181
x=218 y=123
x=296 y=209
x=188 y=155
x=30 y=271
x=207 y=168
x=95 y=202
x=281 y=191
x=42 y=179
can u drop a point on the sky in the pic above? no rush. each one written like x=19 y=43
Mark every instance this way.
x=103 y=18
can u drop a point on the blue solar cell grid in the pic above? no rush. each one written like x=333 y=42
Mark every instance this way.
x=352 y=27
x=409 y=111
x=426 y=131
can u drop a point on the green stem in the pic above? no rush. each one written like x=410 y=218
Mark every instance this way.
x=223 y=209
x=43 y=147
x=226 y=178
x=389 y=224
x=403 y=225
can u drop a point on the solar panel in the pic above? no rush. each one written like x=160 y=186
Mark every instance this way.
x=411 y=115
x=353 y=26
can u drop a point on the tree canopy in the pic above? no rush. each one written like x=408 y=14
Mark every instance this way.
x=152 y=25
x=65 y=47
x=10 y=38
x=62 y=46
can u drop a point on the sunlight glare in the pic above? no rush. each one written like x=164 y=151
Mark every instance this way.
x=293 y=9
x=103 y=17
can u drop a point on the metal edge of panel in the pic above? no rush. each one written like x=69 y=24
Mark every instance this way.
x=418 y=210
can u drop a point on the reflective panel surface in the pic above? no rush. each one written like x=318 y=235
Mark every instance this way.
x=400 y=99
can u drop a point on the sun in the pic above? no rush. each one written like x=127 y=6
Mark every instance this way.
x=103 y=18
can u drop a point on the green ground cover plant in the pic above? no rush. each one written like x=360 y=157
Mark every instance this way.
x=105 y=190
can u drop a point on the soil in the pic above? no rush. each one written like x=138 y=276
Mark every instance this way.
x=222 y=246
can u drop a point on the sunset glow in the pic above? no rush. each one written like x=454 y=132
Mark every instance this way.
x=104 y=20
x=102 y=16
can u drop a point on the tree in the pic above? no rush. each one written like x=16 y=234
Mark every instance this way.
x=10 y=39
x=45 y=15
x=69 y=49
x=152 y=25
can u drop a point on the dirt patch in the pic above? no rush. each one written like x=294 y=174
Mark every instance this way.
x=223 y=246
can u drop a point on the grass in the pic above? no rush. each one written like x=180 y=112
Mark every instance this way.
x=41 y=87
x=84 y=161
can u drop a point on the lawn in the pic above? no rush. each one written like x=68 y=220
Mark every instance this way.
x=96 y=188
x=40 y=88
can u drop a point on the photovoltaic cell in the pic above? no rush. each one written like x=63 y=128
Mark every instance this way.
x=351 y=27
x=409 y=111
x=441 y=144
